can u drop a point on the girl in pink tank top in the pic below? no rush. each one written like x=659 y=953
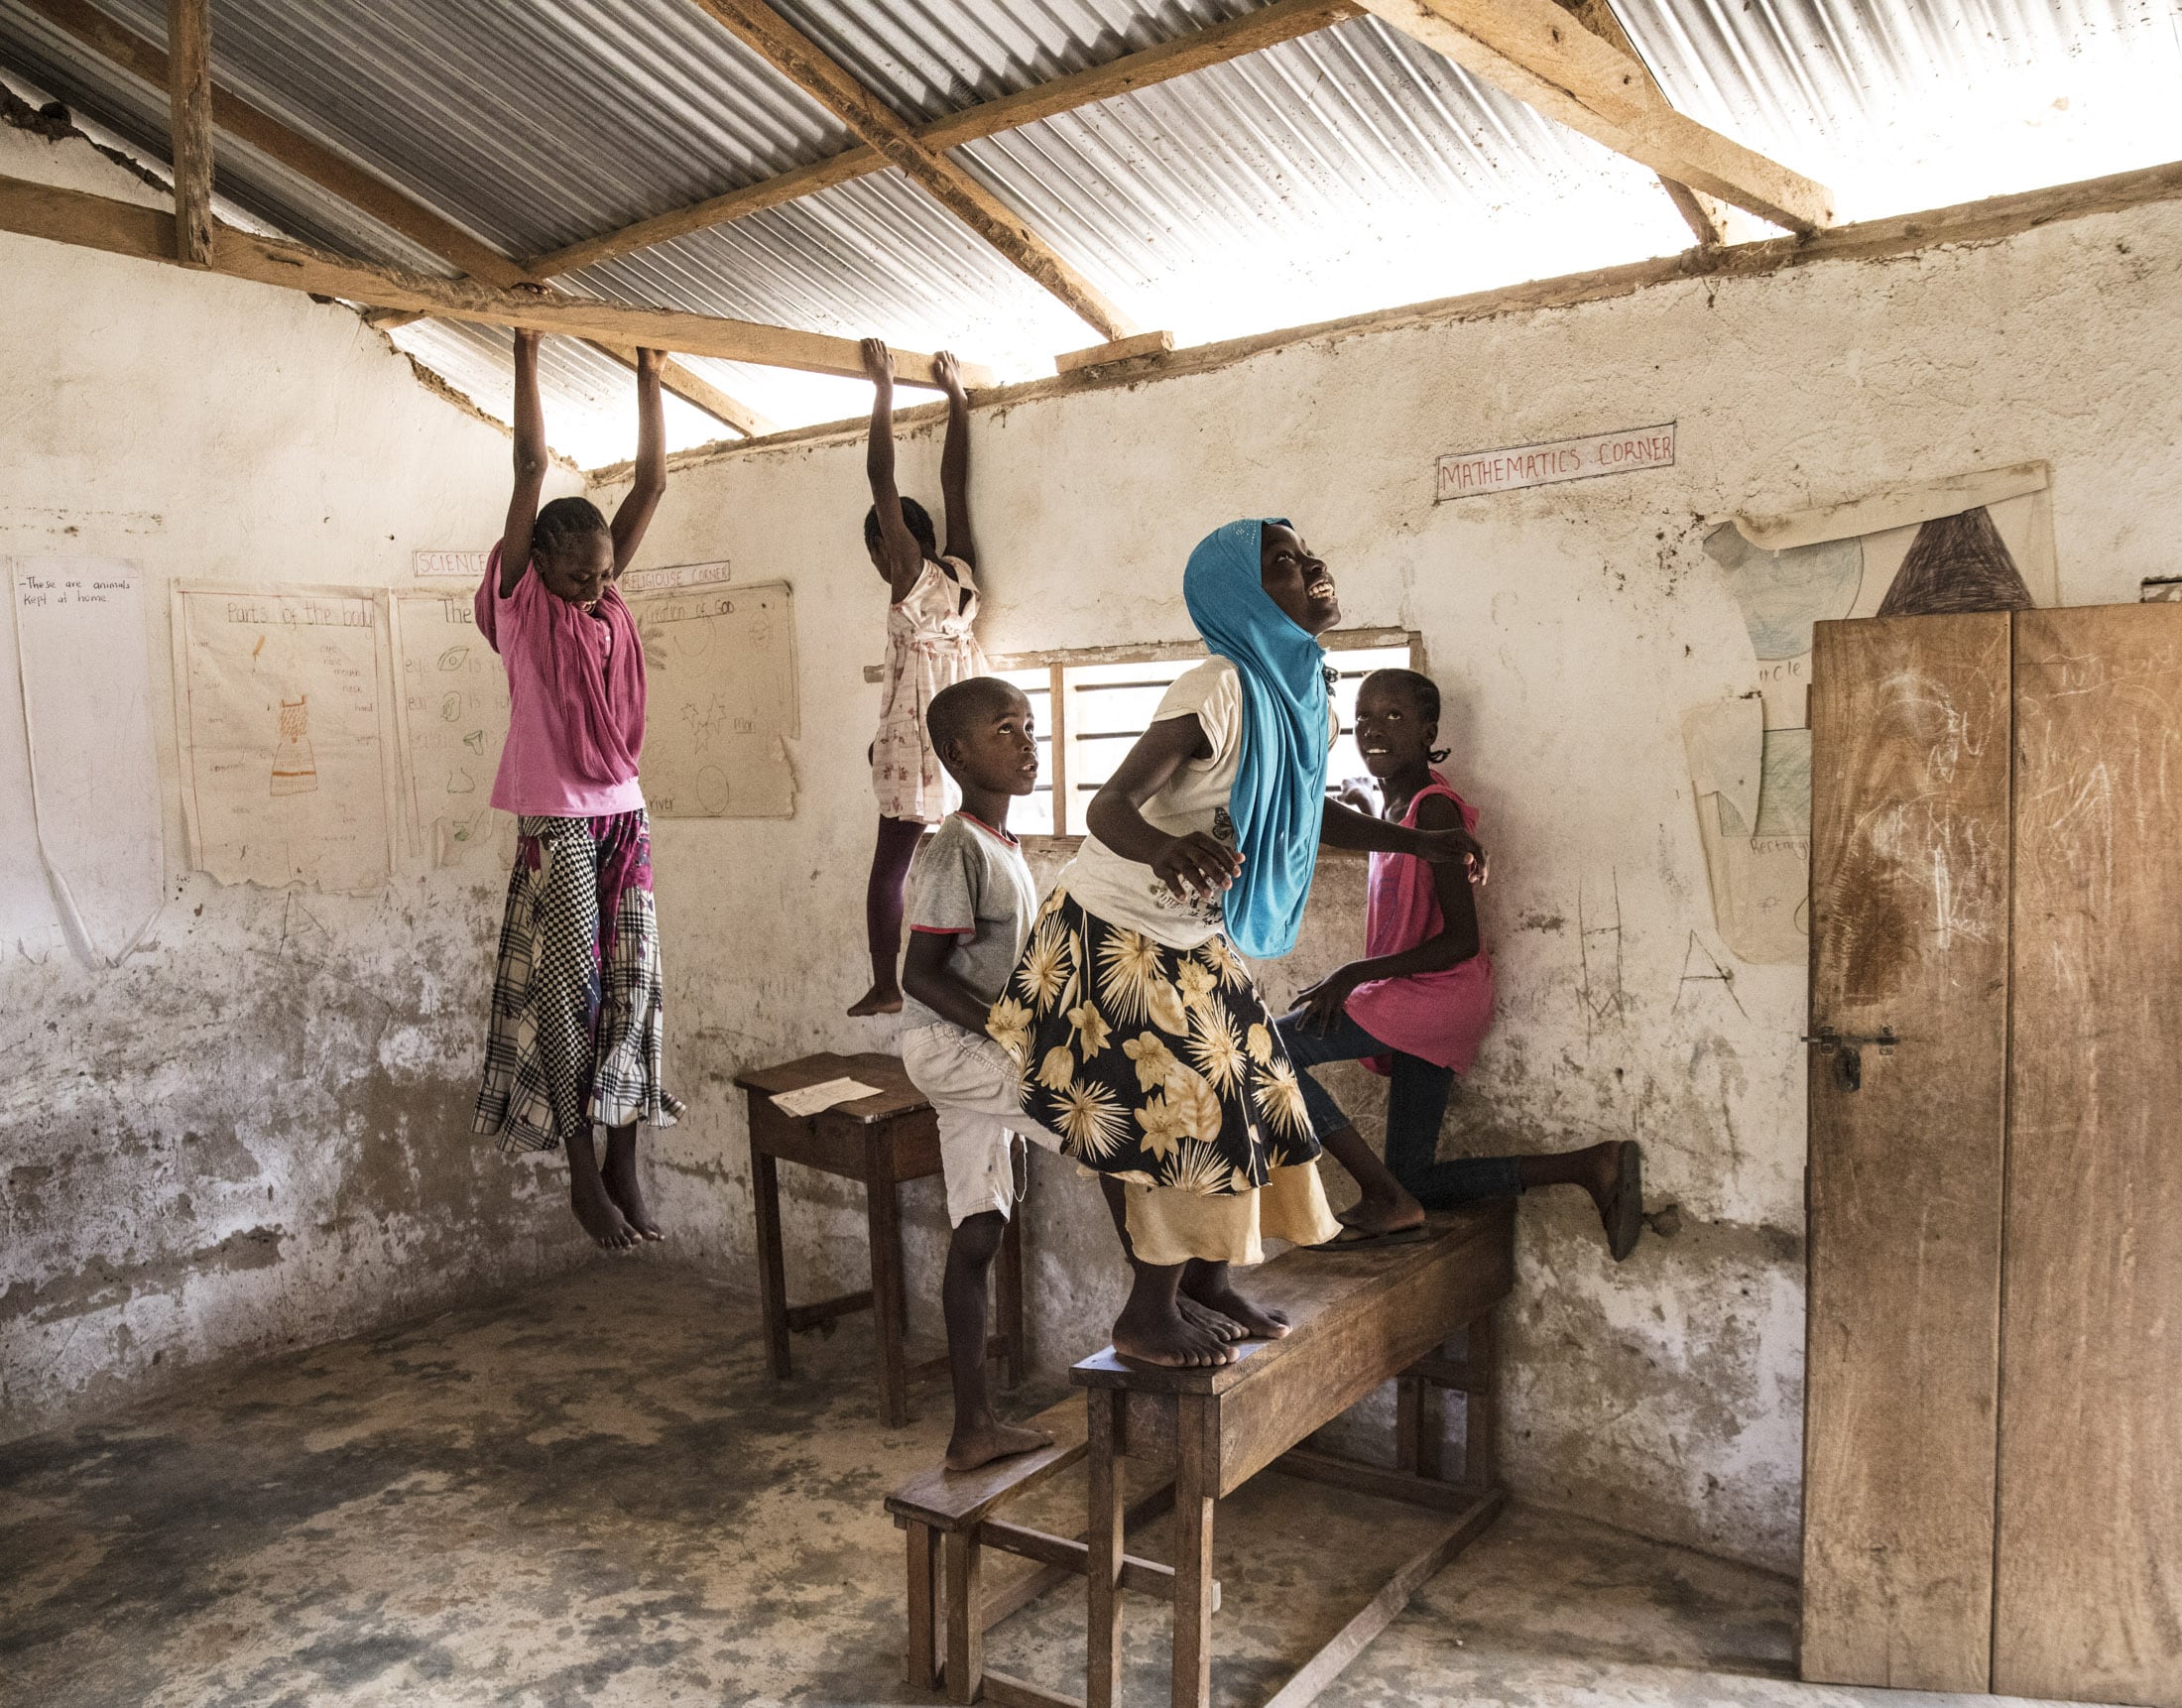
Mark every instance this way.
x=576 y=1036
x=1419 y=1003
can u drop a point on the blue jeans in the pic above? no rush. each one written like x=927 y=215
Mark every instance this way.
x=1417 y=1099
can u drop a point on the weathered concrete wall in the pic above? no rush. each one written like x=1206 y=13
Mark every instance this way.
x=1571 y=628
x=254 y=1134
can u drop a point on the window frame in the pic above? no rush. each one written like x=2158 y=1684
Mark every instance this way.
x=1059 y=662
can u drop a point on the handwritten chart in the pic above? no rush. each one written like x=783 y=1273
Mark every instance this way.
x=452 y=718
x=286 y=731
x=720 y=670
x=94 y=775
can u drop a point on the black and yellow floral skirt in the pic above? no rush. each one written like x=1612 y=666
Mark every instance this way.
x=1162 y=1067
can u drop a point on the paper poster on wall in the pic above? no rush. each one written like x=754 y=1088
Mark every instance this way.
x=285 y=719
x=84 y=695
x=720 y=670
x=452 y=719
x=1754 y=817
x=1980 y=542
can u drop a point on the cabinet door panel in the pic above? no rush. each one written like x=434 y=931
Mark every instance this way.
x=1909 y=916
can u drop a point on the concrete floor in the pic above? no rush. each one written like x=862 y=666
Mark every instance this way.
x=592 y=1494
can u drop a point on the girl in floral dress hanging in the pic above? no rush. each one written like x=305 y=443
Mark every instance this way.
x=931 y=644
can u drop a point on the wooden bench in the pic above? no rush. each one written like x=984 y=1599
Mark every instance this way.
x=949 y=1518
x=881 y=1141
x=1359 y=1318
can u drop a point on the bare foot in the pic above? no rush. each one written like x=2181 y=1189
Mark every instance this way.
x=992 y=1440
x=1214 y=1292
x=1223 y=1328
x=1167 y=1339
x=619 y=1176
x=597 y=1212
x=1382 y=1215
x=879 y=998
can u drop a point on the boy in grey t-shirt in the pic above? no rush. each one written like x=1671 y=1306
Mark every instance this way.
x=971 y=905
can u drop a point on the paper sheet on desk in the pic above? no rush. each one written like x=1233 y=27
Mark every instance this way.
x=825 y=1095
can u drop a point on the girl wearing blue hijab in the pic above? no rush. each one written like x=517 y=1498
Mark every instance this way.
x=1132 y=1013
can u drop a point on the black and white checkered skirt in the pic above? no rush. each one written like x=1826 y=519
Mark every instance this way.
x=578 y=1004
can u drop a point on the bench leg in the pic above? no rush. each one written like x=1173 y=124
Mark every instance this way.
x=1480 y=1457
x=1420 y=1426
x=965 y=1615
x=1194 y=1499
x=923 y=1609
x=1101 y=1670
x=765 y=1196
x=884 y=1216
x=1009 y=1297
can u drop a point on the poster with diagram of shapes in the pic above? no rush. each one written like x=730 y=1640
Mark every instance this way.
x=285 y=722
x=720 y=683
x=1981 y=541
x=452 y=717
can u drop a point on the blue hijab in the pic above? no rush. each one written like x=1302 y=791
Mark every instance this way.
x=1280 y=790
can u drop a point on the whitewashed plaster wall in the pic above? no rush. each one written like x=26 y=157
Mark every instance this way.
x=1571 y=628
x=254 y=1132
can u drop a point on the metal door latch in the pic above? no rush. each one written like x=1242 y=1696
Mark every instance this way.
x=1846 y=1049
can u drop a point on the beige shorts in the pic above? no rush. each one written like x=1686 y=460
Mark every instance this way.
x=971 y=1084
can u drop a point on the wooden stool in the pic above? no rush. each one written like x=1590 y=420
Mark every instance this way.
x=1360 y=1318
x=881 y=1141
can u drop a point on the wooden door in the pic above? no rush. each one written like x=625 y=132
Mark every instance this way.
x=1909 y=918
x=2088 y=1572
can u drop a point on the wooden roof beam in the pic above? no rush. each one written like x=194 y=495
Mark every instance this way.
x=1702 y=214
x=805 y=64
x=146 y=234
x=1538 y=53
x=190 y=96
x=332 y=172
x=1281 y=21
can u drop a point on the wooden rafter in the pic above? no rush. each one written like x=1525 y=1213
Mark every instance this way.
x=359 y=189
x=190 y=92
x=1702 y=214
x=805 y=64
x=144 y=233
x=1214 y=44
x=1538 y=54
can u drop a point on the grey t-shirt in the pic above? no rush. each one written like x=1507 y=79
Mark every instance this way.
x=971 y=882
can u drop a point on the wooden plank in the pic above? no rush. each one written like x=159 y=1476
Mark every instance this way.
x=1314 y=1466
x=361 y=189
x=1384 y=1608
x=1700 y=212
x=805 y=64
x=960 y=1500
x=1102 y=1667
x=1011 y=1597
x=1215 y=44
x=146 y=234
x=1120 y=350
x=1534 y=51
x=2085 y=1599
x=802 y=1316
x=190 y=97
x=1909 y=887
x=1011 y=1692
x=1146 y=1577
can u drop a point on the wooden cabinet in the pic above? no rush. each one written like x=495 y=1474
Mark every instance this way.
x=1993 y=1455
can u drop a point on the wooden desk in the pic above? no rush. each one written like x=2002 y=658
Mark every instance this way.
x=1360 y=1318
x=881 y=1141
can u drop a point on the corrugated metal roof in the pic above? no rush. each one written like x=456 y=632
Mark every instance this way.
x=1340 y=172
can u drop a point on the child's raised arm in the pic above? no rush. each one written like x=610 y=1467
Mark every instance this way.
x=635 y=514
x=905 y=558
x=954 y=460
x=530 y=464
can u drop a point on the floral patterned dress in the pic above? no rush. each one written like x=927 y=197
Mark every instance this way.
x=930 y=645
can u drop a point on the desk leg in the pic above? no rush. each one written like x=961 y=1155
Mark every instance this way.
x=765 y=1195
x=965 y=1615
x=1195 y=1489
x=1480 y=1460
x=1009 y=1299
x=1102 y=1671
x=924 y=1609
x=884 y=1213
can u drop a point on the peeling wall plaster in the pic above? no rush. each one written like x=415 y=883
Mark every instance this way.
x=1571 y=627
x=253 y=1134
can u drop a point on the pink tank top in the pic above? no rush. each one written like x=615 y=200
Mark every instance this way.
x=1441 y=1016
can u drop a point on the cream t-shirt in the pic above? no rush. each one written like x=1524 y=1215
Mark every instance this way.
x=1127 y=893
